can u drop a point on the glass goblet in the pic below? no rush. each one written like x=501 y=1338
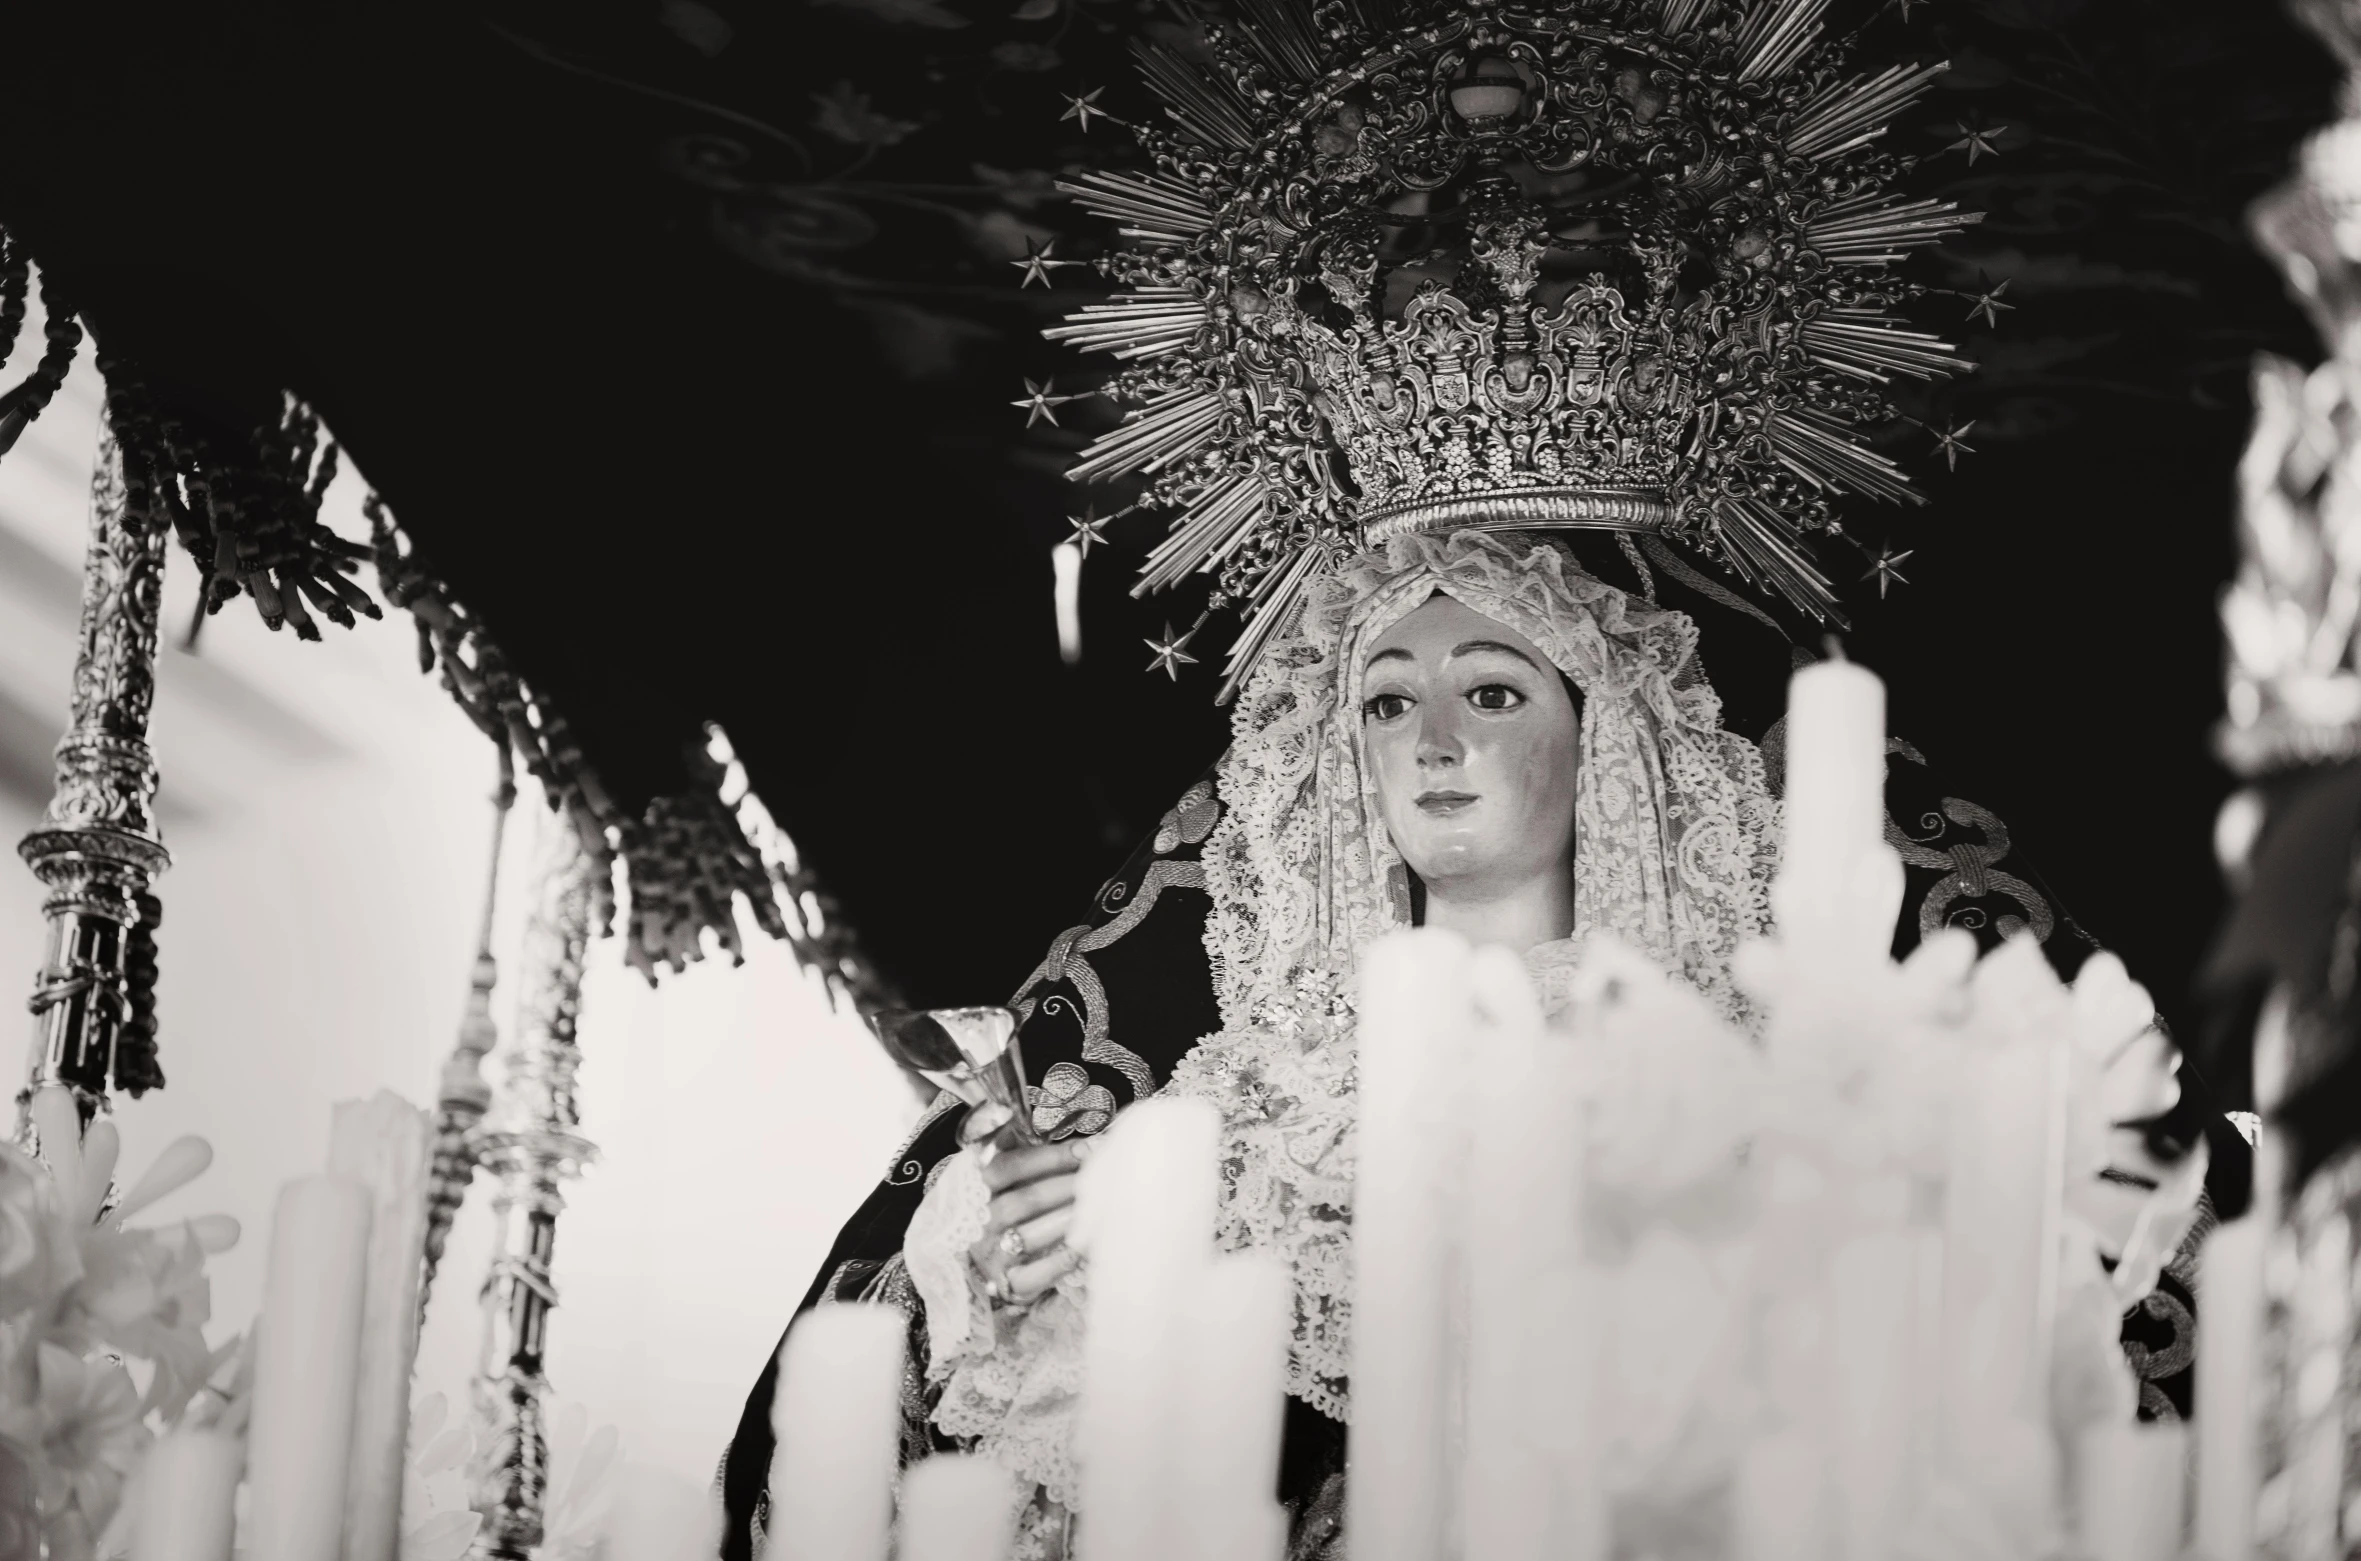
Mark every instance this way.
x=973 y=1053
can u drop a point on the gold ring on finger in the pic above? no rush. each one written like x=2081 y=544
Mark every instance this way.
x=1012 y=1245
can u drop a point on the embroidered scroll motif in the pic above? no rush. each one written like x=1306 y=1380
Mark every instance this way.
x=1190 y=820
x=906 y=1167
x=1971 y=872
x=1066 y=959
x=2160 y=1334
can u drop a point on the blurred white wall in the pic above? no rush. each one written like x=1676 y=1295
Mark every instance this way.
x=326 y=808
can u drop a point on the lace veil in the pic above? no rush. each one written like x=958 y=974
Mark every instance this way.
x=1674 y=841
x=1673 y=825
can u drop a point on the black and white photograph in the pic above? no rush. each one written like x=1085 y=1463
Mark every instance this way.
x=1181 y=780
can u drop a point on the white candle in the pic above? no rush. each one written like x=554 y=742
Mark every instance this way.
x=1999 y=1190
x=837 y=1418
x=2131 y=1491
x=1873 y=1335
x=306 y=1357
x=383 y=1144
x=1839 y=885
x=1415 y=1014
x=2230 y=1291
x=1232 y=1403
x=957 y=1507
x=1144 y=1217
x=1527 y=1482
x=1834 y=798
x=186 y=1495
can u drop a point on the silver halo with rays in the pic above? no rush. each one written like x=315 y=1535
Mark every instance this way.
x=1406 y=265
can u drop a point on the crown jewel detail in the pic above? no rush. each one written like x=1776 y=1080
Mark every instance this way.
x=1417 y=264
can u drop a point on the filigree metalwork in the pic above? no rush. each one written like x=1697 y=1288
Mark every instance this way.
x=1625 y=264
x=463 y=1096
x=2293 y=616
x=532 y=1146
x=96 y=849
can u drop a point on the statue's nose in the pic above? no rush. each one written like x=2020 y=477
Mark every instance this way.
x=1438 y=740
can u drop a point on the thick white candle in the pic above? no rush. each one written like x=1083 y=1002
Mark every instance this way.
x=186 y=1493
x=1998 y=1194
x=384 y=1144
x=1529 y=1491
x=1144 y=1216
x=306 y=1358
x=1873 y=1336
x=837 y=1417
x=957 y=1507
x=2131 y=1491
x=1232 y=1401
x=2230 y=1289
x=1834 y=801
x=1839 y=885
x=1415 y=1017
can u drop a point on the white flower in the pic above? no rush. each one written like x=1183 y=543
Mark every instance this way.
x=85 y=1431
x=39 y=1256
x=79 y=1295
x=439 y=1526
x=574 y=1522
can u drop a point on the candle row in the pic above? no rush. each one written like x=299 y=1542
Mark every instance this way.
x=1179 y=1425
x=333 y=1348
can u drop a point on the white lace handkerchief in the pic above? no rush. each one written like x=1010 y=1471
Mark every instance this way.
x=950 y=1219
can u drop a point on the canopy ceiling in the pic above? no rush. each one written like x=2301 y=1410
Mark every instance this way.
x=681 y=337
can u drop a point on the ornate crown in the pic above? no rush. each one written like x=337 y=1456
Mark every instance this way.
x=1415 y=264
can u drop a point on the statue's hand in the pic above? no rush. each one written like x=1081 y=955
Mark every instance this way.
x=1032 y=1189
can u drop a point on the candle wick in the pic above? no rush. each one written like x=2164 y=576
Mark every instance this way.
x=1835 y=647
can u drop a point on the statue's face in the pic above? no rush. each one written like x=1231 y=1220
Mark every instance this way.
x=1471 y=735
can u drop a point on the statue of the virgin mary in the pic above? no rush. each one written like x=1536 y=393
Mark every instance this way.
x=1459 y=339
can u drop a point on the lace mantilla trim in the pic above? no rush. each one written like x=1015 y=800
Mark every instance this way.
x=1011 y=1379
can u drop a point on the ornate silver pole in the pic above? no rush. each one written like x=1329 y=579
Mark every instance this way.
x=531 y=1147
x=465 y=1096
x=96 y=850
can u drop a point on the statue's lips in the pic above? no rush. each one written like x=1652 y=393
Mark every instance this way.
x=1445 y=802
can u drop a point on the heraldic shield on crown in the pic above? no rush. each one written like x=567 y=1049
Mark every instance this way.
x=1408 y=265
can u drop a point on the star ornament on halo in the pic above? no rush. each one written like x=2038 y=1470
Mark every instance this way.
x=1951 y=443
x=1167 y=655
x=1038 y=264
x=1039 y=404
x=1090 y=530
x=1975 y=140
x=1986 y=305
x=1885 y=570
x=1085 y=108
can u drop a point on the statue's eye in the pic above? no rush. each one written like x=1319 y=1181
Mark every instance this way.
x=1384 y=707
x=1495 y=696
